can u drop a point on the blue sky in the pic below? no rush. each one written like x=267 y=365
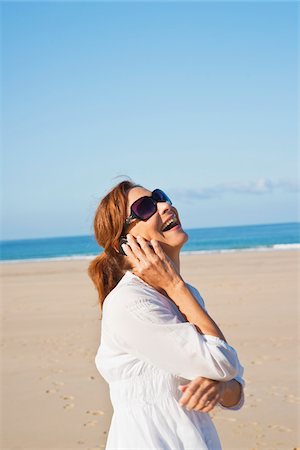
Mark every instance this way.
x=197 y=98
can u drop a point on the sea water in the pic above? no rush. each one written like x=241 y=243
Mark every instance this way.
x=277 y=236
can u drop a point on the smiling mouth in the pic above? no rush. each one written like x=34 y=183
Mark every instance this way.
x=172 y=223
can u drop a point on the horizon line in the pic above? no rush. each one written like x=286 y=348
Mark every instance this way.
x=187 y=229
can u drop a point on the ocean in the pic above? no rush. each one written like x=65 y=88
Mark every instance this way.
x=277 y=236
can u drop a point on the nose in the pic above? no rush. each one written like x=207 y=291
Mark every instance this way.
x=164 y=207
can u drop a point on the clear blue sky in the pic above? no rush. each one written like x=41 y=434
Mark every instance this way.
x=197 y=98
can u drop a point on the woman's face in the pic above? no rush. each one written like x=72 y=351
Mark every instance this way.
x=153 y=227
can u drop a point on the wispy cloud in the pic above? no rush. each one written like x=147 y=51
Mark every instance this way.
x=261 y=186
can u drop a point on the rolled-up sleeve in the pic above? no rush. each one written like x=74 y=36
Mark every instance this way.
x=151 y=331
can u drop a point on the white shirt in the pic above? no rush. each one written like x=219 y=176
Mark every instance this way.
x=147 y=350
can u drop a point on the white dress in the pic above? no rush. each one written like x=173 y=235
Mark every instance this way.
x=147 y=350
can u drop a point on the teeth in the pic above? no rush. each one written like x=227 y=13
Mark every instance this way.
x=169 y=222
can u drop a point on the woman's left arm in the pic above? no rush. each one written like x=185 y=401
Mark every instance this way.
x=232 y=394
x=203 y=394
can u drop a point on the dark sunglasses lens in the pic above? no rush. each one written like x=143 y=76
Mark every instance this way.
x=144 y=208
x=160 y=196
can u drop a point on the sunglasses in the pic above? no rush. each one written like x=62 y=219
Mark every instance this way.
x=143 y=208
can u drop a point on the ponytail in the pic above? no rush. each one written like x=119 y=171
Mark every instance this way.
x=107 y=269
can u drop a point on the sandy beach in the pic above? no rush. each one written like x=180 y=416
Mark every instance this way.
x=52 y=396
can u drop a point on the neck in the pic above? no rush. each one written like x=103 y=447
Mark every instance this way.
x=174 y=256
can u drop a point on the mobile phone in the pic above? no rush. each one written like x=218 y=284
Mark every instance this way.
x=123 y=240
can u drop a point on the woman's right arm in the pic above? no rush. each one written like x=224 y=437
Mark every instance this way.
x=175 y=345
x=158 y=269
x=190 y=308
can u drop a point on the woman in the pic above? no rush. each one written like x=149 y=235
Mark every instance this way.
x=166 y=361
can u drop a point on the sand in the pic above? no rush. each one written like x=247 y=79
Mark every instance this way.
x=52 y=396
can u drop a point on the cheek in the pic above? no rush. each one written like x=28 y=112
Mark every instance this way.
x=148 y=230
x=151 y=229
x=145 y=229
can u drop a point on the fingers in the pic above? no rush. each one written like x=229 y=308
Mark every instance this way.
x=135 y=249
x=191 y=389
x=146 y=246
x=139 y=252
x=207 y=402
x=131 y=255
x=210 y=405
x=182 y=387
x=157 y=248
x=197 y=397
x=142 y=248
x=201 y=394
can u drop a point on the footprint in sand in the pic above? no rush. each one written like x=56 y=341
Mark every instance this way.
x=292 y=398
x=230 y=419
x=92 y=423
x=261 y=444
x=279 y=388
x=255 y=423
x=68 y=406
x=51 y=391
x=97 y=412
x=280 y=428
x=67 y=397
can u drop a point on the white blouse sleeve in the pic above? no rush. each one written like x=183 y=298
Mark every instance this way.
x=148 y=328
x=239 y=376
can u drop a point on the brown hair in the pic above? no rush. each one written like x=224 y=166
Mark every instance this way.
x=107 y=269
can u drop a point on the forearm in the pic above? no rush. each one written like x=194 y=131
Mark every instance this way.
x=231 y=394
x=194 y=313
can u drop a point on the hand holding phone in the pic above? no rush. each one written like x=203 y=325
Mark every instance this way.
x=151 y=263
x=123 y=240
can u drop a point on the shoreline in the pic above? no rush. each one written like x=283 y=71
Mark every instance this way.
x=276 y=247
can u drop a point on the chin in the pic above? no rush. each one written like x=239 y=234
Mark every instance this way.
x=184 y=237
x=177 y=239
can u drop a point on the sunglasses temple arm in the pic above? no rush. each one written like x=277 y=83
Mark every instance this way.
x=128 y=221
